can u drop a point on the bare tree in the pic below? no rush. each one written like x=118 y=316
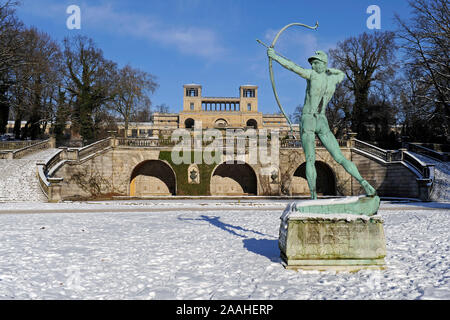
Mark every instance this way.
x=367 y=60
x=10 y=28
x=425 y=40
x=36 y=82
x=143 y=115
x=338 y=111
x=89 y=81
x=62 y=115
x=161 y=108
x=132 y=90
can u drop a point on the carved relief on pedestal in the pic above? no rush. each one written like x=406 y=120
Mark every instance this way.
x=193 y=174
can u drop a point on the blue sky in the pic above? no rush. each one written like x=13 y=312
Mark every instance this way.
x=212 y=42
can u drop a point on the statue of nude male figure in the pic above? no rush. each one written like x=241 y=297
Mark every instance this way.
x=321 y=84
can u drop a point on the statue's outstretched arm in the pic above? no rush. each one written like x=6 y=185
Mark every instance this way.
x=302 y=72
x=340 y=75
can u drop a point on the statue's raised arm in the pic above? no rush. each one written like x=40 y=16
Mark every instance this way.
x=288 y=64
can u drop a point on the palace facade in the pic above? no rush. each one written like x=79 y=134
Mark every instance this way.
x=239 y=112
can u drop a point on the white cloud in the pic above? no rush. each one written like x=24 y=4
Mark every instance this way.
x=192 y=40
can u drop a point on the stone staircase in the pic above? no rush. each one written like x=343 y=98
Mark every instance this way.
x=18 y=178
x=441 y=185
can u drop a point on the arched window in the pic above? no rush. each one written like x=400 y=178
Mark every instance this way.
x=189 y=123
x=252 y=123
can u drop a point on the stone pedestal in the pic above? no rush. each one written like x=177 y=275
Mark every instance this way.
x=340 y=242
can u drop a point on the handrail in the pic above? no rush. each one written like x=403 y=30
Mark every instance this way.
x=28 y=148
x=148 y=143
x=94 y=147
x=441 y=156
x=425 y=170
x=371 y=146
x=43 y=182
x=17 y=154
x=371 y=149
x=46 y=182
x=52 y=161
x=139 y=142
x=14 y=145
x=50 y=186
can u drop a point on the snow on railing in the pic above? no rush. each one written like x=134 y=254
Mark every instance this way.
x=46 y=144
x=93 y=148
x=14 y=145
x=27 y=149
x=50 y=185
x=414 y=147
x=425 y=170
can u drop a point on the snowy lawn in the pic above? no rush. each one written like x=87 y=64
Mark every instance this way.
x=204 y=251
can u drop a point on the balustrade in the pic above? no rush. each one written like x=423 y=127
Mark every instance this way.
x=426 y=170
x=441 y=156
x=93 y=148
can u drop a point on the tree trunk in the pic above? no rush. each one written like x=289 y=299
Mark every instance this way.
x=4 y=109
x=4 y=115
x=359 y=109
x=126 y=123
x=17 y=124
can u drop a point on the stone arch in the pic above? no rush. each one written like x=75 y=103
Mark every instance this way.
x=152 y=177
x=325 y=182
x=220 y=123
x=252 y=123
x=189 y=123
x=236 y=178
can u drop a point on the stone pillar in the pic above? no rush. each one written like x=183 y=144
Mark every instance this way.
x=114 y=142
x=351 y=136
x=425 y=189
x=388 y=156
x=63 y=155
x=54 y=190
x=52 y=142
x=72 y=154
x=401 y=153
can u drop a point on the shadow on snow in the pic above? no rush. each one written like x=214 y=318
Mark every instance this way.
x=264 y=247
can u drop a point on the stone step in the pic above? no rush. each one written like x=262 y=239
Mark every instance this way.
x=19 y=181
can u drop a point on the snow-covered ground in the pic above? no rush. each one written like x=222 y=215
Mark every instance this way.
x=203 y=249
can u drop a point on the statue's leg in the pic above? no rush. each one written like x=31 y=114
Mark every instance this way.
x=309 y=144
x=330 y=143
